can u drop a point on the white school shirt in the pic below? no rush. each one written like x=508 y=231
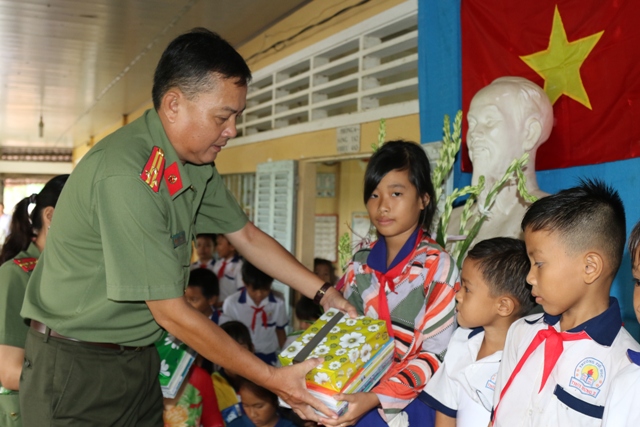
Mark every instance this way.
x=576 y=390
x=462 y=388
x=231 y=279
x=623 y=404
x=239 y=307
x=208 y=266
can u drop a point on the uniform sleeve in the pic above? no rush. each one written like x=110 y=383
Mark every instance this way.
x=441 y=392
x=141 y=262
x=13 y=328
x=211 y=416
x=228 y=312
x=281 y=315
x=429 y=339
x=219 y=211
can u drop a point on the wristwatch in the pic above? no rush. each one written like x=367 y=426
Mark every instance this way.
x=323 y=290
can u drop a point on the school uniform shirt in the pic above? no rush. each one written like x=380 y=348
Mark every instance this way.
x=622 y=407
x=419 y=287
x=463 y=386
x=230 y=278
x=576 y=389
x=208 y=265
x=262 y=320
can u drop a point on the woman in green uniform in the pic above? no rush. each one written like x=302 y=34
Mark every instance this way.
x=20 y=252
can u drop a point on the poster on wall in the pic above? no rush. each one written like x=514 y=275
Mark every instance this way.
x=326 y=237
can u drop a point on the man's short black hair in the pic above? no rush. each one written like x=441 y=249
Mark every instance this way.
x=204 y=279
x=255 y=278
x=191 y=60
x=589 y=216
x=210 y=236
x=504 y=265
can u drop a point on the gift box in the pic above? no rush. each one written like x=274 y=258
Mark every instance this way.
x=176 y=359
x=356 y=354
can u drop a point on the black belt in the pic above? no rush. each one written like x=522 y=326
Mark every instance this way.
x=44 y=329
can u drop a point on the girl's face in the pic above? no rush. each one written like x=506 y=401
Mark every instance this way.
x=636 y=285
x=261 y=412
x=395 y=206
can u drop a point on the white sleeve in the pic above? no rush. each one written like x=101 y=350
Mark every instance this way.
x=228 y=312
x=281 y=318
x=620 y=410
x=442 y=392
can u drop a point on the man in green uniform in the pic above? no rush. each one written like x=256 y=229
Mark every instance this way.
x=119 y=250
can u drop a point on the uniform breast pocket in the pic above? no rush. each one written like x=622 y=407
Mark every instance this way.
x=182 y=248
x=594 y=412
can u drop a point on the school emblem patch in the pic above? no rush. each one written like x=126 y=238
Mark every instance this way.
x=491 y=383
x=588 y=377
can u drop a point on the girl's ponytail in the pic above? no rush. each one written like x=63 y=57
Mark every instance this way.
x=24 y=227
x=20 y=231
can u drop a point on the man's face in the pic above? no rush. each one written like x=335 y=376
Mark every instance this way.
x=205 y=123
x=495 y=132
x=204 y=248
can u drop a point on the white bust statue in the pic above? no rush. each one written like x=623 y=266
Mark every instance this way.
x=509 y=117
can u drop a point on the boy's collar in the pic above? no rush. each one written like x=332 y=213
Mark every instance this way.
x=377 y=258
x=603 y=328
x=475 y=331
x=243 y=297
x=634 y=356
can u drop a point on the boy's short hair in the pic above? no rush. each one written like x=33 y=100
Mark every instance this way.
x=204 y=279
x=207 y=236
x=634 y=244
x=257 y=279
x=239 y=332
x=588 y=216
x=307 y=309
x=504 y=265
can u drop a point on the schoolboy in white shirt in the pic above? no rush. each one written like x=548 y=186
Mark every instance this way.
x=494 y=294
x=228 y=268
x=557 y=368
x=261 y=310
x=621 y=409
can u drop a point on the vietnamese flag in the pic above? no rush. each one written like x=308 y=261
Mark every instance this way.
x=586 y=55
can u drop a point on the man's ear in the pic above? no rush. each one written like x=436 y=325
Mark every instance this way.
x=506 y=305
x=532 y=132
x=170 y=104
x=593 y=267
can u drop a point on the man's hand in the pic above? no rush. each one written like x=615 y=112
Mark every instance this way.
x=289 y=384
x=333 y=299
x=359 y=404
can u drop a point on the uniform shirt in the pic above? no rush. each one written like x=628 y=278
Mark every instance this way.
x=576 y=390
x=230 y=280
x=621 y=409
x=117 y=241
x=241 y=308
x=208 y=265
x=463 y=386
x=13 y=328
x=421 y=305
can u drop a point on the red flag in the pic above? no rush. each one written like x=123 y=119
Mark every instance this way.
x=586 y=54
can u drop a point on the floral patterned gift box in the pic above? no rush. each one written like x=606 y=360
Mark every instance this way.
x=346 y=348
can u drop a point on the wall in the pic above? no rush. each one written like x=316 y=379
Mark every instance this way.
x=440 y=93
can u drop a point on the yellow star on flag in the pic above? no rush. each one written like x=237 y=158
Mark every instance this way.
x=559 y=65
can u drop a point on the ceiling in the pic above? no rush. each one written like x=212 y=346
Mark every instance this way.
x=82 y=64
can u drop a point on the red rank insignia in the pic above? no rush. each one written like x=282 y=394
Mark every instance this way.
x=172 y=178
x=27 y=264
x=153 y=169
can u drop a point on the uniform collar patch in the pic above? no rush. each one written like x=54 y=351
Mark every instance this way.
x=173 y=179
x=26 y=264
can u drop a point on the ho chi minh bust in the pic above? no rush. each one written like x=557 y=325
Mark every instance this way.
x=509 y=117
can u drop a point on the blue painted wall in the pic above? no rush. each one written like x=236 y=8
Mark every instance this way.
x=441 y=93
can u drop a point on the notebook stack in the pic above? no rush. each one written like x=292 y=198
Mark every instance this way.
x=357 y=353
x=175 y=361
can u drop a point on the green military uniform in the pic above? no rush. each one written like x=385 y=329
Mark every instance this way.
x=14 y=275
x=121 y=235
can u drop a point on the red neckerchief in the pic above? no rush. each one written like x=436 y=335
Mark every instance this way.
x=553 y=347
x=385 y=280
x=222 y=267
x=257 y=310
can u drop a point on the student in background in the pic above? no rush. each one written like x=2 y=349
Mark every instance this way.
x=260 y=406
x=202 y=293
x=406 y=279
x=226 y=381
x=18 y=257
x=323 y=268
x=621 y=409
x=263 y=312
x=228 y=268
x=494 y=294
x=307 y=312
x=205 y=249
x=556 y=367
